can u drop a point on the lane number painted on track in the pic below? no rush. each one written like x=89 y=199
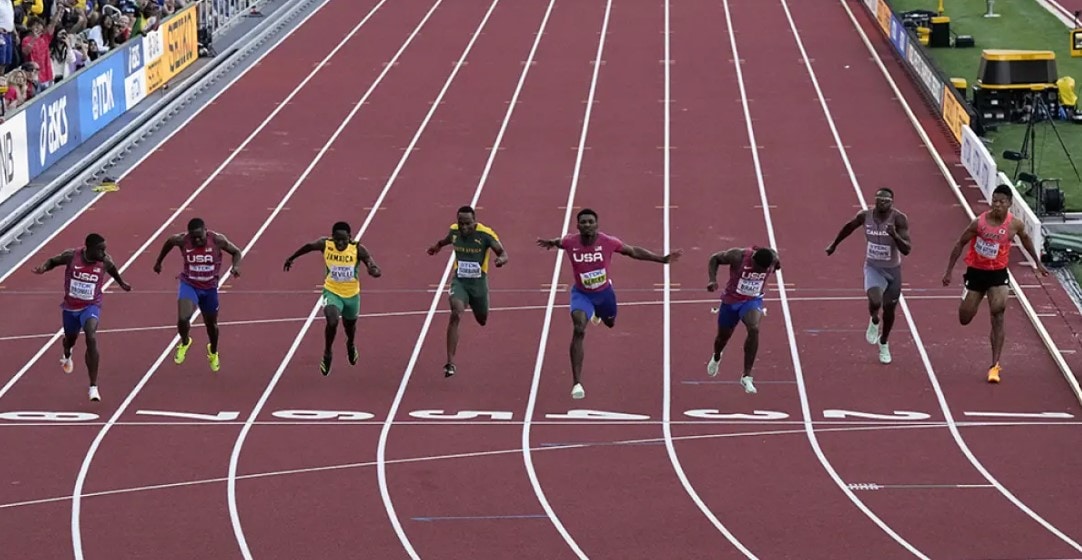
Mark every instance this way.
x=572 y=415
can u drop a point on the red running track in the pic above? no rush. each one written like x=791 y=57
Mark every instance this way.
x=329 y=477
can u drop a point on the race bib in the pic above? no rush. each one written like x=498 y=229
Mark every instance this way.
x=342 y=273
x=877 y=252
x=81 y=290
x=986 y=249
x=594 y=279
x=749 y=287
x=467 y=269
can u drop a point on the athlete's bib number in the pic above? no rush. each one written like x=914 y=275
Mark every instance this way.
x=468 y=269
x=749 y=287
x=986 y=249
x=342 y=273
x=877 y=252
x=81 y=290
x=594 y=279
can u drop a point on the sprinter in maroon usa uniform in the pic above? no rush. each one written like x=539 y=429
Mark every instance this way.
x=84 y=279
x=198 y=282
x=741 y=301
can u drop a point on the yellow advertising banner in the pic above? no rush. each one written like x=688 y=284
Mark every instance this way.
x=953 y=113
x=882 y=13
x=155 y=75
x=180 y=34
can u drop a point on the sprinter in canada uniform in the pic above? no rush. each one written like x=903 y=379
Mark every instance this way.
x=987 y=259
x=342 y=257
x=741 y=301
x=472 y=242
x=593 y=297
x=886 y=230
x=201 y=250
x=84 y=281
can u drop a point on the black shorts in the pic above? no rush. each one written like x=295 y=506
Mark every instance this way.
x=978 y=280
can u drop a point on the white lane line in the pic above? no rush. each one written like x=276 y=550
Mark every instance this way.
x=667 y=315
x=932 y=377
x=183 y=206
x=531 y=403
x=793 y=349
x=465 y=455
x=234 y=513
x=76 y=530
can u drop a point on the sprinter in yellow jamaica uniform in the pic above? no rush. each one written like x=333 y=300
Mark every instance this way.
x=341 y=286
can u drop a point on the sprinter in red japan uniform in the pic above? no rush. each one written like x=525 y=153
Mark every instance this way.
x=989 y=238
x=198 y=283
x=84 y=280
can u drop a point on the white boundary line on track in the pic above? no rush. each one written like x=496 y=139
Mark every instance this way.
x=76 y=532
x=940 y=396
x=199 y=109
x=793 y=349
x=535 y=382
x=442 y=311
x=466 y=455
x=666 y=401
x=142 y=249
x=231 y=490
x=1054 y=352
x=437 y=297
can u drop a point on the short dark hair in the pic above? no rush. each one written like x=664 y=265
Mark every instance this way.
x=1005 y=191
x=763 y=257
x=196 y=223
x=585 y=212
x=93 y=240
x=886 y=190
x=467 y=210
x=341 y=226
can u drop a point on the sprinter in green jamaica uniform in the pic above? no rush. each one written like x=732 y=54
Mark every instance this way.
x=469 y=286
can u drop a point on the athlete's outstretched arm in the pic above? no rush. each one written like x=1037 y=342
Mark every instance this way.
x=900 y=234
x=641 y=254
x=369 y=262
x=312 y=247
x=728 y=257
x=846 y=230
x=967 y=235
x=53 y=262
x=1027 y=243
x=234 y=251
x=170 y=242
x=110 y=267
x=435 y=248
x=553 y=243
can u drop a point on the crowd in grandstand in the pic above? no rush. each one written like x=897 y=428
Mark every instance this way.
x=42 y=41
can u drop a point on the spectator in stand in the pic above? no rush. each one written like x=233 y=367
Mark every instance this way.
x=8 y=38
x=18 y=92
x=67 y=54
x=36 y=45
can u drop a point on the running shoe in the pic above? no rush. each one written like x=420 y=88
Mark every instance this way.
x=212 y=357
x=884 y=353
x=712 y=366
x=182 y=351
x=94 y=394
x=67 y=363
x=993 y=374
x=872 y=335
x=749 y=387
x=325 y=365
x=577 y=392
x=352 y=354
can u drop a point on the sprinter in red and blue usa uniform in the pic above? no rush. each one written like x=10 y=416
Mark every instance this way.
x=198 y=283
x=84 y=279
x=741 y=301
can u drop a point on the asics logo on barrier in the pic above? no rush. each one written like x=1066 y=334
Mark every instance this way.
x=54 y=128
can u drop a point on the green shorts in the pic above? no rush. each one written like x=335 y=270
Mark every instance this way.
x=348 y=308
x=471 y=291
